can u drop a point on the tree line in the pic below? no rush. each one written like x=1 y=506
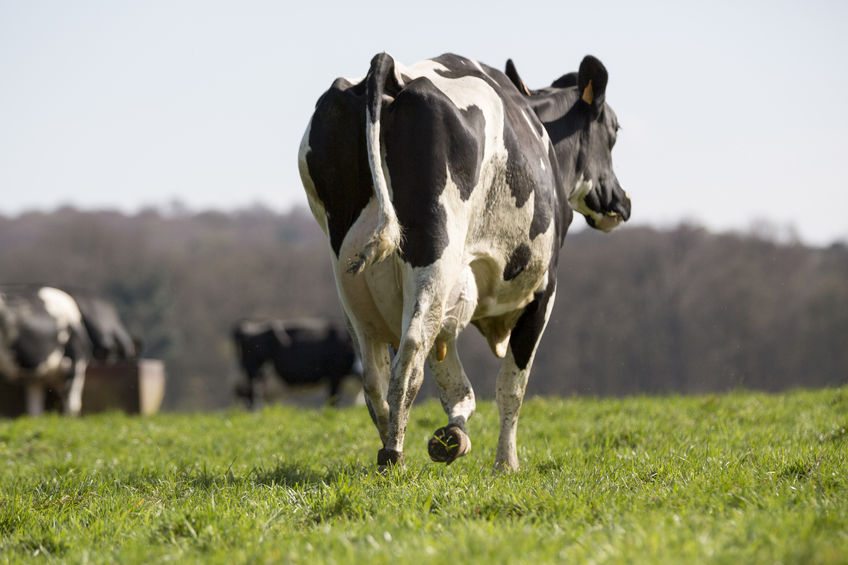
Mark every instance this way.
x=642 y=310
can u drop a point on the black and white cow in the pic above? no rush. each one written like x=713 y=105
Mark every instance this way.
x=44 y=344
x=302 y=352
x=446 y=189
x=48 y=338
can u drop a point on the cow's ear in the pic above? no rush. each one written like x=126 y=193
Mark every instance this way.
x=512 y=74
x=592 y=82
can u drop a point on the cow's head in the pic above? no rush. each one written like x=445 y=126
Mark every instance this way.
x=583 y=130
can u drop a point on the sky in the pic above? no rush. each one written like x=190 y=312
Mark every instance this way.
x=734 y=114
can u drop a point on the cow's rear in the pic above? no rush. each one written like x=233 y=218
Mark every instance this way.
x=445 y=203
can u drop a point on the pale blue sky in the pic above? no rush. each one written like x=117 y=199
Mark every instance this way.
x=731 y=111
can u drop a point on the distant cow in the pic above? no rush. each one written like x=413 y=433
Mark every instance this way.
x=48 y=338
x=302 y=352
x=446 y=190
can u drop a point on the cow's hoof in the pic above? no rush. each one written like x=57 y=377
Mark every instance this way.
x=447 y=444
x=388 y=458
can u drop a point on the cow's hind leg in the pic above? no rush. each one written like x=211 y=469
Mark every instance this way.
x=457 y=397
x=512 y=379
x=375 y=382
x=408 y=372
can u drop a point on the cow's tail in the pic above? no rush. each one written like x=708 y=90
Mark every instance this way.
x=386 y=238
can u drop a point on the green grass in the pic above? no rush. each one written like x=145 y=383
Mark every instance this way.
x=738 y=478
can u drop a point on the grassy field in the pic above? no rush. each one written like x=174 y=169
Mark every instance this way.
x=738 y=478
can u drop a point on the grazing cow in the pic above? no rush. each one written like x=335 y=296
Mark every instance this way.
x=48 y=338
x=302 y=352
x=446 y=189
x=44 y=344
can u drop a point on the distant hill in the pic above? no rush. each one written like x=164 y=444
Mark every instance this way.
x=638 y=310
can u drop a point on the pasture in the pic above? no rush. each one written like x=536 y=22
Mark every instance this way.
x=736 y=478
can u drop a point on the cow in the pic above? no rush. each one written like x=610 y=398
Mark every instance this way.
x=445 y=190
x=44 y=344
x=48 y=338
x=302 y=352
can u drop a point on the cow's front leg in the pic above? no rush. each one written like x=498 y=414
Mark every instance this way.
x=249 y=388
x=35 y=398
x=73 y=389
x=512 y=379
x=457 y=397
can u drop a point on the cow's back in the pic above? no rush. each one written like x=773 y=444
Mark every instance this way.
x=470 y=173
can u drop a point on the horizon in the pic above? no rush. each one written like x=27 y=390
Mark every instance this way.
x=762 y=228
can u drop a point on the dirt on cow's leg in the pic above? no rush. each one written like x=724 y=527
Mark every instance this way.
x=389 y=458
x=457 y=397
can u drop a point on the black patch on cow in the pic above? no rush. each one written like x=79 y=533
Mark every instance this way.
x=517 y=262
x=426 y=136
x=37 y=339
x=528 y=330
x=337 y=160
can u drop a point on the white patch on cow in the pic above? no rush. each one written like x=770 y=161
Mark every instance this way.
x=370 y=298
x=479 y=67
x=577 y=196
x=460 y=296
x=52 y=365
x=465 y=92
x=60 y=306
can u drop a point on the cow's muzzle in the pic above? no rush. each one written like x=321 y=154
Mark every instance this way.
x=605 y=205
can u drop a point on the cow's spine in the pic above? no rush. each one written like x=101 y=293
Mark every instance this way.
x=386 y=237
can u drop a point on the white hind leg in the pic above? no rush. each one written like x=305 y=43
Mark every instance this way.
x=375 y=382
x=422 y=319
x=457 y=397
